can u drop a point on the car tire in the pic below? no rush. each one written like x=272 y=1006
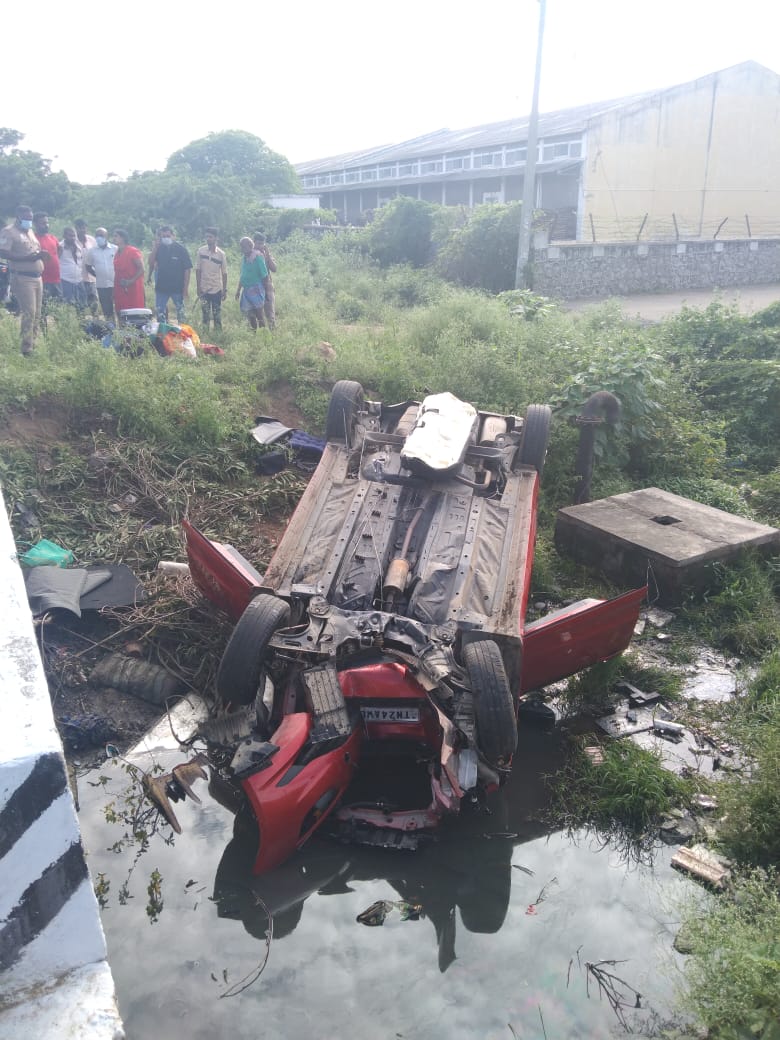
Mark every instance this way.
x=240 y=671
x=346 y=400
x=494 y=705
x=536 y=436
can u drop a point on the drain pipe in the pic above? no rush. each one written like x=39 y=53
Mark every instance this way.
x=599 y=408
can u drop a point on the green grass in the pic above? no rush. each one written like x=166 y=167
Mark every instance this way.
x=733 y=973
x=175 y=433
x=630 y=789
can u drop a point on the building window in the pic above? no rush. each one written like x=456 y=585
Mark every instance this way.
x=337 y=178
x=323 y=180
x=561 y=149
x=368 y=175
x=483 y=160
x=310 y=182
x=352 y=176
x=516 y=156
x=388 y=171
x=407 y=169
x=457 y=162
x=430 y=166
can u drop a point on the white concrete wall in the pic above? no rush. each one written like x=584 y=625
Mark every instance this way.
x=54 y=979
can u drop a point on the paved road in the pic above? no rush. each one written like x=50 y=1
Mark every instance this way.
x=655 y=306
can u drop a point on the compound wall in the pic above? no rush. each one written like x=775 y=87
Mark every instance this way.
x=577 y=270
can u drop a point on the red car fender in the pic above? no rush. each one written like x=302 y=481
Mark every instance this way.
x=290 y=803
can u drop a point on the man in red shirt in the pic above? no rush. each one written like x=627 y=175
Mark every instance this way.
x=52 y=290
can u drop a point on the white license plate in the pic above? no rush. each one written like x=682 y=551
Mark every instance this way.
x=391 y=714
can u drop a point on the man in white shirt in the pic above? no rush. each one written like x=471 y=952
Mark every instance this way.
x=87 y=242
x=99 y=262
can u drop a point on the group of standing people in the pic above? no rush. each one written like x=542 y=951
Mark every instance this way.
x=88 y=271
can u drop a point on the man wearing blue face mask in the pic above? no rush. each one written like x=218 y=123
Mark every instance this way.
x=20 y=247
x=99 y=262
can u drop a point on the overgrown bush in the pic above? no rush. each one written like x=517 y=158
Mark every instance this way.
x=751 y=829
x=401 y=233
x=483 y=253
x=740 y=610
x=733 y=972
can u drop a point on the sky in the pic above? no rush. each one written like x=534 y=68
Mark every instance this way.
x=107 y=88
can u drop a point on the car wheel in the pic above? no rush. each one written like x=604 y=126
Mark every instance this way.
x=240 y=674
x=493 y=702
x=536 y=435
x=346 y=400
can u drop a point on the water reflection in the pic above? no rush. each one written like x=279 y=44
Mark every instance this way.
x=468 y=868
x=483 y=952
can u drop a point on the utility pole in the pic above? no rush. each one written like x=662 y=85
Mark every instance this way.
x=529 y=176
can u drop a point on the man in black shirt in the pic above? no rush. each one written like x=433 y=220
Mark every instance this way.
x=173 y=266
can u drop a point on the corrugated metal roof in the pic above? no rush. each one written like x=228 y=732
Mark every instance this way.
x=509 y=131
x=551 y=124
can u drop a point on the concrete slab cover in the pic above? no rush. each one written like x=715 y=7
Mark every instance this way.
x=674 y=529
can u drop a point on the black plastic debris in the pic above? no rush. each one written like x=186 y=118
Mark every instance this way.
x=85 y=731
x=271 y=462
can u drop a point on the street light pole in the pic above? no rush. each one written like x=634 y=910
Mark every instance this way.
x=529 y=176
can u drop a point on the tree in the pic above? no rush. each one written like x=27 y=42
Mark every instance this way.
x=236 y=153
x=483 y=253
x=401 y=232
x=26 y=178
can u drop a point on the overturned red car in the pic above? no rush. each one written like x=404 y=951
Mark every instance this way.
x=380 y=658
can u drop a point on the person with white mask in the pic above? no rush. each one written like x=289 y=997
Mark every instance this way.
x=99 y=262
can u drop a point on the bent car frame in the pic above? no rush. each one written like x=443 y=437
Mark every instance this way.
x=374 y=669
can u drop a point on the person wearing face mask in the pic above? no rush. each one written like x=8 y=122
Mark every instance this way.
x=20 y=247
x=52 y=290
x=99 y=262
x=173 y=267
x=89 y=288
x=71 y=268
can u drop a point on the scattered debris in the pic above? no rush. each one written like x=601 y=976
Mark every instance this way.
x=705 y=802
x=702 y=864
x=142 y=679
x=619 y=725
x=46 y=553
x=376 y=914
x=595 y=753
x=637 y=698
x=85 y=731
x=532 y=708
x=658 y=617
x=174 y=568
x=678 y=827
x=711 y=677
x=669 y=730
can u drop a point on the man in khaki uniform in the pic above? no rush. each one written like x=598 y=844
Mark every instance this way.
x=20 y=247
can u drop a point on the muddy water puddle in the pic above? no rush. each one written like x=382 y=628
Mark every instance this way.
x=491 y=926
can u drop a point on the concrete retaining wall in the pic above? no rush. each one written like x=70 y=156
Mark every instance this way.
x=54 y=979
x=577 y=270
